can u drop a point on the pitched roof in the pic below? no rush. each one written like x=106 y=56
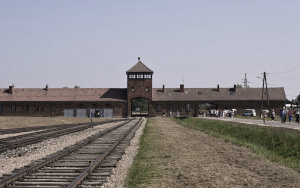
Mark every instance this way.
x=210 y=94
x=139 y=67
x=64 y=94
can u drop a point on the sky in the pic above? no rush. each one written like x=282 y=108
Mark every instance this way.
x=198 y=43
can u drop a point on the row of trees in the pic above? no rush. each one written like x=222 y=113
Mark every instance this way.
x=294 y=101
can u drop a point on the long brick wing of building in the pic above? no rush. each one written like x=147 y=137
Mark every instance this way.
x=138 y=99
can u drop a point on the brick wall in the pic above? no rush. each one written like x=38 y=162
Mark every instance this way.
x=57 y=108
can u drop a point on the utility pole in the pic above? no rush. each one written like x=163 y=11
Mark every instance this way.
x=262 y=97
x=267 y=92
x=262 y=93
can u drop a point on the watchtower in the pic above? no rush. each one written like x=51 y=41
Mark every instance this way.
x=139 y=90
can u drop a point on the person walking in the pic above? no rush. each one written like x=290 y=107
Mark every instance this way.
x=283 y=115
x=264 y=115
x=273 y=115
x=297 y=115
x=290 y=114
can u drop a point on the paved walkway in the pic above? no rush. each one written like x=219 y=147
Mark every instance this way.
x=259 y=122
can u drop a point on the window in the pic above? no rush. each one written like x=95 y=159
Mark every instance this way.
x=188 y=107
x=132 y=88
x=53 y=108
x=13 y=108
x=139 y=76
x=42 y=109
x=26 y=108
x=170 y=107
x=158 y=108
x=147 y=89
x=37 y=109
x=131 y=76
x=147 y=76
x=1 y=108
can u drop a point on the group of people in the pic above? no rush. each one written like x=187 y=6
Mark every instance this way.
x=284 y=114
x=216 y=113
x=288 y=113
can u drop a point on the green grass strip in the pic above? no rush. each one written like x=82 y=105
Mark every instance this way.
x=280 y=145
x=140 y=167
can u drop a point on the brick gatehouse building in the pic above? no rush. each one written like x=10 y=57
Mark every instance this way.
x=138 y=99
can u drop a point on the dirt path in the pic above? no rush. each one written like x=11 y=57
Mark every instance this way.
x=189 y=158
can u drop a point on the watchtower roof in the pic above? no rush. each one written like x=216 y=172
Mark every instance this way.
x=139 y=67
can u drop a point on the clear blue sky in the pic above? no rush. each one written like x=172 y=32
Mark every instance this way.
x=92 y=43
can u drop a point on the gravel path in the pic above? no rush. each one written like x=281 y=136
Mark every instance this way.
x=20 y=157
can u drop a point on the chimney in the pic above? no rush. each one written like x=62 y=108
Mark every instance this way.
x=11 y=89
x=218 y=88
x=163 y=89
x=234 y=88
x=181 y=88
x=47 y=87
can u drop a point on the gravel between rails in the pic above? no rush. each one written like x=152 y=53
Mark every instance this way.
x=23 y=156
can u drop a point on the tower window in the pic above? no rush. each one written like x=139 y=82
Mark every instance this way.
x=132 y=88
x=131 y=76
x=139 y=76
x=147 y=76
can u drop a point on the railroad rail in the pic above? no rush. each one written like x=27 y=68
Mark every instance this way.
x=38 y=128
x=41 y=134
x=85 y=164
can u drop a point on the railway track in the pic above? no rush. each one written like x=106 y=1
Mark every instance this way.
x=44 y=133
x=85 y=164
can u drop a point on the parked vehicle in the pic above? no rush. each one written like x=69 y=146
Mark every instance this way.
x=249 y=112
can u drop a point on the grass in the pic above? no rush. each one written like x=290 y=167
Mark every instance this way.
x=277 y=144
x=140 y=167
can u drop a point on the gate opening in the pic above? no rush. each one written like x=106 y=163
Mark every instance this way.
x=140 y=107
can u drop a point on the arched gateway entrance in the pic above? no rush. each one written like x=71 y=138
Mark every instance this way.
x=140 y=107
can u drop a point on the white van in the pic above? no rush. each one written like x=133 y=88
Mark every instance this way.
x=249 y=112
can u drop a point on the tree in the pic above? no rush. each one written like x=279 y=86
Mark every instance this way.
x=297 y=99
